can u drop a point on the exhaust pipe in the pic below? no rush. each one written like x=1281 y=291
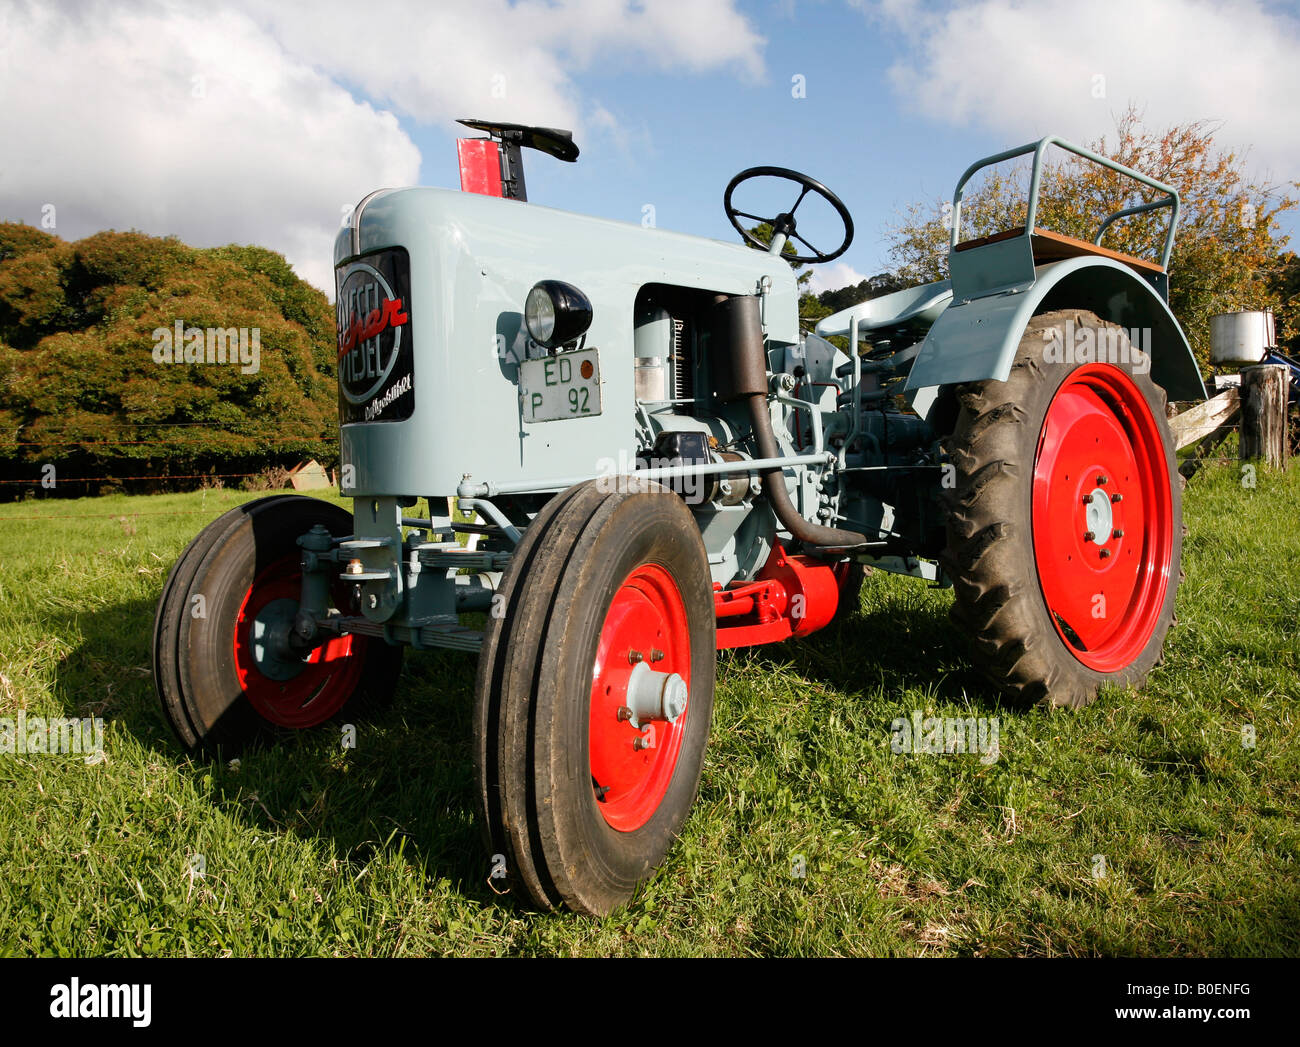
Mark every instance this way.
x=736 y=321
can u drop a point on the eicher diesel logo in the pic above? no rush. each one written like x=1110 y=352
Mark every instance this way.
x=376 y=374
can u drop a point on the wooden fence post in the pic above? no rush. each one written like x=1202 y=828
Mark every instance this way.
x=1206 y=424
x=1263 y=414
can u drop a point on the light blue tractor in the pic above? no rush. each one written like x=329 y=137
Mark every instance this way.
x=652 y=463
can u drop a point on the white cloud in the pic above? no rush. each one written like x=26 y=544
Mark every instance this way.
x=107 y=122
x=1025 y=70
x=833 y=276
x=102 y=120
x=515 y=62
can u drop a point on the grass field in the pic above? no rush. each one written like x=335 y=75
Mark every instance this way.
x=310 y=849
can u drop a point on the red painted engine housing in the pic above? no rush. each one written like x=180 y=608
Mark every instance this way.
x=792 y=596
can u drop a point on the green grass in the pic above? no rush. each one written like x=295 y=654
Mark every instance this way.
x=313 y=850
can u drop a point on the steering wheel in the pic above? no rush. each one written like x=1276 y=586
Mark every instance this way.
x=784 y=223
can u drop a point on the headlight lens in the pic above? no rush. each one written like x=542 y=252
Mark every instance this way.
x=556 y=313
x=539 y=315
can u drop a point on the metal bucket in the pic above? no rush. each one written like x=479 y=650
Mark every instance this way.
x=1241 y=338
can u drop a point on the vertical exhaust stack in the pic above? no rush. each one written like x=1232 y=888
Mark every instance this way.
x=736 y=323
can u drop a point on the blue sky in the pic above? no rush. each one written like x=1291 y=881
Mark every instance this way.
x=852 y=129
x=251 y=123
x=687 y=136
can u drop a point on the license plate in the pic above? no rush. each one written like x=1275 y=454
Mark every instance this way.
x=563 y=386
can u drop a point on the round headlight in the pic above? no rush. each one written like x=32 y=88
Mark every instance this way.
x=556 y=313
x=539 y=315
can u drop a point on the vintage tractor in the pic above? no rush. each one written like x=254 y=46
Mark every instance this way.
x=655 y=465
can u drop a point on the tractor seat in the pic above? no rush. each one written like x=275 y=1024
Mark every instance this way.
x=1048 y=246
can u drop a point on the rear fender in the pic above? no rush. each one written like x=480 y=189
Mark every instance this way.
x=977 y=340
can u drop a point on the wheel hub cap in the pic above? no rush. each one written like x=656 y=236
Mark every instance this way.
x=270 y=636
x=1098 y=517
x=654 y=696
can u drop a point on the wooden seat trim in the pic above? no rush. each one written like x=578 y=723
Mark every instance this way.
x=1048 y=246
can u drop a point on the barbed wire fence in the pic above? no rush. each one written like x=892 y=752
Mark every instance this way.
x=102 y=468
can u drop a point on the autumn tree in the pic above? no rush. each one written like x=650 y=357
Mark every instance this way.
x=80 y=386
x=1229 y=251
x=1287 y=286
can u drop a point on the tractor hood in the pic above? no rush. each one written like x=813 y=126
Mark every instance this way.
x=432 y=285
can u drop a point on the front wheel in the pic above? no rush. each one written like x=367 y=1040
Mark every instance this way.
x=1065 y=529
x=595 y=694
x=220 y=679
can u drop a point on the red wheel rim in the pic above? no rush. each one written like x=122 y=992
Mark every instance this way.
x=329 y=675
x=647 y=616
x=1105 y=592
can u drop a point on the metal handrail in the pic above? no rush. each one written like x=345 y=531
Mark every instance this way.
x=1038 y=149
x=471 y=491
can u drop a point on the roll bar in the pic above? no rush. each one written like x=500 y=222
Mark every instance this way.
x=1038 y=148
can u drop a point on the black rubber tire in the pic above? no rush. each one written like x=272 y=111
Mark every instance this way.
x=990 y=557
x=167 y=619
x=533 y=693
x=194 y=667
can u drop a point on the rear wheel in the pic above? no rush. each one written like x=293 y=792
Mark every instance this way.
x=221 y=683
x=1065 y=535
x=595 y=694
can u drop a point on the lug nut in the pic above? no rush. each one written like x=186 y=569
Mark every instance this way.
x=1088 y=536
x=1117 y=497
x=656 y=655
x=1101 y=480
x=1105 y=553
x=635 y=656
x=1117 y=533
x=624 y=713
x=1087 y=499
x=642 y=742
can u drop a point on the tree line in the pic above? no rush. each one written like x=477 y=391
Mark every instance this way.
x=154 y=365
